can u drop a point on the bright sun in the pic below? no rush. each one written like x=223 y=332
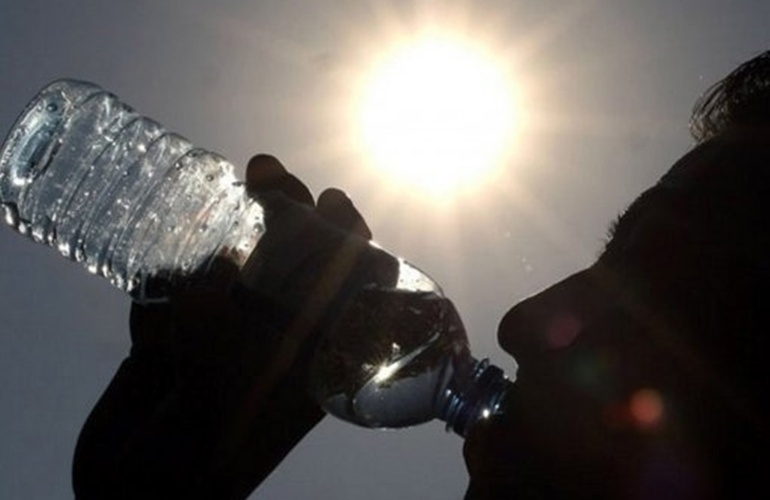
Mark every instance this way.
x=438 y=114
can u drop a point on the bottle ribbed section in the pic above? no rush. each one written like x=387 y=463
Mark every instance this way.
x=84 y=173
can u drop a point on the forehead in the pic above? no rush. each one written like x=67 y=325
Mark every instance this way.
x=719 y=190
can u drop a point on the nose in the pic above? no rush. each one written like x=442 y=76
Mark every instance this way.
x=553 y=318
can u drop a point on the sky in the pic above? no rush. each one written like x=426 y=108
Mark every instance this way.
x=604 y=93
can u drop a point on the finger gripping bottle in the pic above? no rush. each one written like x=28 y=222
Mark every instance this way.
x=84 y=173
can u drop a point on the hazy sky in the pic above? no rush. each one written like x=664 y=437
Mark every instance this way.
x=608 y=85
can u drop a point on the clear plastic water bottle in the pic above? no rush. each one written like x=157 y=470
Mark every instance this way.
x=84 y=173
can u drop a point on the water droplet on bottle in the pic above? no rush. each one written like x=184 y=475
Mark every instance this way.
x=80 y=255
x=65 y=249
x=51 y=237
x=52 y=107
x=209 y=177
x=38 y=234
x=11 y=214
x=118 y=281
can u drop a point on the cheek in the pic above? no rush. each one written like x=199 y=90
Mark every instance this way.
x=600 y=404
x=604 y=371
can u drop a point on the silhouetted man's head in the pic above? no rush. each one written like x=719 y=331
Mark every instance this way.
x=740 y=102
x=644 y=375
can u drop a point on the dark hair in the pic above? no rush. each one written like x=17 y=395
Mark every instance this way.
x=741 y=100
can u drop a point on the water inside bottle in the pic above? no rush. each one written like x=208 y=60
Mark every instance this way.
x=388 y=356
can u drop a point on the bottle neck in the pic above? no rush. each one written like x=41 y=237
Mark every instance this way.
x=474 y=392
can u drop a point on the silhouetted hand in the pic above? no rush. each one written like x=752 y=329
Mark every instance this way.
x=214 y=393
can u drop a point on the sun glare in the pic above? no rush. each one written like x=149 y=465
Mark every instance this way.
x=437 y=114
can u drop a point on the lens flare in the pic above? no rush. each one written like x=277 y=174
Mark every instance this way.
x=646 y=407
